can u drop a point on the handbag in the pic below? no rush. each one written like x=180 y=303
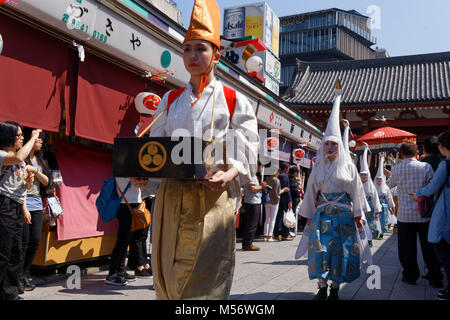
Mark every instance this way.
x=108 y=201
x=140 y=216
x=54 y=206
x=426 y=204
x=265 y=197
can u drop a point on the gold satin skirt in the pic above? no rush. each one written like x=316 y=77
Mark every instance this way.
x=193 y=241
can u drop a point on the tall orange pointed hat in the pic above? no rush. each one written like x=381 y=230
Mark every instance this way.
x=205 y=22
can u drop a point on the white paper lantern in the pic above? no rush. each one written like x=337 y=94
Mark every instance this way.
x=147 y=102
x=254 y=64
x=272 y=143
x=352 y=143
x=298 y=153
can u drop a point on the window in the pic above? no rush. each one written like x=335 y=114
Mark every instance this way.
x=304 y=39
x=286 y=75
x=333 y=38
x=316 y=40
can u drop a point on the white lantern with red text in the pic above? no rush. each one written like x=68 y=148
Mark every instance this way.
x=272 y=143
x=298 y=153
x=147 y=103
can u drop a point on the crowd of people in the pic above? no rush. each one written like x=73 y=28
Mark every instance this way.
x=340 y=211
x=26 y=184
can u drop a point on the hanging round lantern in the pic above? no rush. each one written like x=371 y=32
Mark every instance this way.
x=147 y=102
x=352 y=143
x=254 y=64
x=272 y=143
x=298 y=153
x=314 y=160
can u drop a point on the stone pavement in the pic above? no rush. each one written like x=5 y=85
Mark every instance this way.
x=268 y=274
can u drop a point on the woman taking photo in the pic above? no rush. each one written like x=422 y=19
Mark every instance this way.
x=32 y=232
x=14 y=180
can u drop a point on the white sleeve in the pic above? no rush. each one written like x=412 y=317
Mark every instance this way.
x=308 y=206
x=242 y=140
x=158 y=128
x=390 y=199
x=376 y=201
x=358 y=200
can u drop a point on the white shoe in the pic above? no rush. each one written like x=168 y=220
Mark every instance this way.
x=292 y=234
x=270 y=240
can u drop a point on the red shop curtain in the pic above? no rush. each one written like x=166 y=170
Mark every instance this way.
x=83 y=170
x=105 y=100
x=33 y=72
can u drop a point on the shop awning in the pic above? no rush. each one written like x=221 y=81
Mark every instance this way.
x=105 y=100
x=83 y=170
x=33 y=68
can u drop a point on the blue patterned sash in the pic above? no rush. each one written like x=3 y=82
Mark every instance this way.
x=333 y=249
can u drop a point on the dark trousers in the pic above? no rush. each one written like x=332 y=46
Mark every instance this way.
x=30 y=240
x=280 y=229
x=119 y=252
x=11 y=228
x=138 y=248
x=442 y=251
x=249 y=222
x=407 y=251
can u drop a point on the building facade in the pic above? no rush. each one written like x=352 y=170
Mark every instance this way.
x=326 y=35
x=411 y=93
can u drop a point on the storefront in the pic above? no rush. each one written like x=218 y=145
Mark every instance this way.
x=77 y=66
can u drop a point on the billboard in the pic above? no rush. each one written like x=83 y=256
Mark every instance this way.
x=256 y=20
x=271 y=66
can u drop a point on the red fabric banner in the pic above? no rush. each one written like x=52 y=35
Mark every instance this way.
x=105 y=100
x=83 y=170
x=32 y=76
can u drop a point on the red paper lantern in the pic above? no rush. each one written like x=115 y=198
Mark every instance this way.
x=314 y=160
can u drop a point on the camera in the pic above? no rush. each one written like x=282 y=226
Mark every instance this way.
x=269 y=188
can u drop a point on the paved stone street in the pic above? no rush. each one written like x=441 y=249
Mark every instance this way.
x=268 y=274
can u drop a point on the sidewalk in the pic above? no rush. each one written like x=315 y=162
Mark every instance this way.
x=268 y=274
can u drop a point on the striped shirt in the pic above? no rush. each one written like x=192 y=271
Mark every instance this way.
x=409 y=176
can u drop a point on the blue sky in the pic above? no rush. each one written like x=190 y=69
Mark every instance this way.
x=406 y=27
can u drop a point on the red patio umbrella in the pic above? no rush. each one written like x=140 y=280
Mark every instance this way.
x=386 y=139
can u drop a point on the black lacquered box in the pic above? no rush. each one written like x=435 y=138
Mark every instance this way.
x=165 y=157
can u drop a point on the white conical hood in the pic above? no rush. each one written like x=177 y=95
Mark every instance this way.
x=380 y=172
x=382 y=189
x=333 y=129
x=345 y=135
x=364 y=165
x=339 y=167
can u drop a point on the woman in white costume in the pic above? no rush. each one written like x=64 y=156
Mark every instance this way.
x=193 y=249
x=385 y=196
x=371 y=196
x=333 y=207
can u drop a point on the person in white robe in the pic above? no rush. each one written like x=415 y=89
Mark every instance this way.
x=386 y=199
x=333 y=207
x=194 y=234
x=371 y=196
